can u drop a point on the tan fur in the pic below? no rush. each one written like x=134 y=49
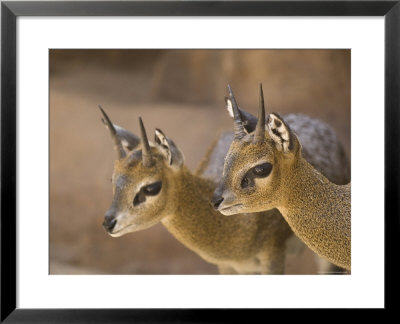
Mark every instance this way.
x=317 y=210
x=237 y=244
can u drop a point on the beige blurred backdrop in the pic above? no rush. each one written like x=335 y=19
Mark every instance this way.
x=180 y=92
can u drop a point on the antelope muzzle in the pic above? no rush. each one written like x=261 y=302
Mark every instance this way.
x=109 y=221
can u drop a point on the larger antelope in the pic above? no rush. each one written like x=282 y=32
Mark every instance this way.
x=266 y=169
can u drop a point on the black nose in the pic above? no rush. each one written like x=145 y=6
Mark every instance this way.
x=109 y=223
x=216 y=201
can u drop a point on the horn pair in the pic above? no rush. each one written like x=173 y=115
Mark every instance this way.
x=147 y=158
x=238 y=123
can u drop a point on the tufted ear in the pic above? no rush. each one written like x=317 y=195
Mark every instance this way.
x=249 y=121
x=172 y=153
x=285 y=140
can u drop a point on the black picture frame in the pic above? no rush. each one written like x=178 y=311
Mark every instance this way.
x=10 y=10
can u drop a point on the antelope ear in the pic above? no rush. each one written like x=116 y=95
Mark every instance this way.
x=128 y=140
x=172 y=153
x=285 y=140
x=249 y=121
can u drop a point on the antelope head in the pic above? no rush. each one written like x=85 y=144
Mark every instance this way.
x=141 y=176
x=257 y=162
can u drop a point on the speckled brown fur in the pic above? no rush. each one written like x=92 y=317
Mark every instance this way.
x=319 y=212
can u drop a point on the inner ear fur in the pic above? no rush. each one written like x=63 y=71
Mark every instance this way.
x=168 y=148
x=128 y=140
x=249 y=120
x=285 y=139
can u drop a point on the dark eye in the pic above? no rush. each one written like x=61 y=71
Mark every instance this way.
x=262 y=170
x=149 y=190
x=152 y=189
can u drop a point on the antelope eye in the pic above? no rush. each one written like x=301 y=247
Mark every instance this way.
x=149 y=190
x=152 y=189
x=262 y=170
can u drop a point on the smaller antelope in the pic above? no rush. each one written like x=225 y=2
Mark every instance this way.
x=265 y=170
x=151 y=184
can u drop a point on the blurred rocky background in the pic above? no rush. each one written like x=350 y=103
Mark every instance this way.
x=180 y=92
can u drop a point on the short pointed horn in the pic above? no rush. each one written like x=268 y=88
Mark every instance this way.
x=260 y=128
x=237 y=120
x=147 y=158
x=117 y=142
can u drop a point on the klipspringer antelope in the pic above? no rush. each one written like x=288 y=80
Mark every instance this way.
x=265 y=169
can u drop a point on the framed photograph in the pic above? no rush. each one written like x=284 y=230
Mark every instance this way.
x=164 y=72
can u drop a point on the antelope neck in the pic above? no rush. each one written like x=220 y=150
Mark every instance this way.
x=192 y=214
x=318 y=211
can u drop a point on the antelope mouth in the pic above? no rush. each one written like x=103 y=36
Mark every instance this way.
x=231 y=210
x=133 y=227
x=122 y=231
